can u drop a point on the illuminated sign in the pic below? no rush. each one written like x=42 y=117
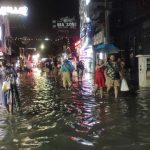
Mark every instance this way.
x=6 y=10
x=65 y=23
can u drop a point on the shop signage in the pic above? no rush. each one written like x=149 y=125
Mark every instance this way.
x=65 y=23
x=6 y=10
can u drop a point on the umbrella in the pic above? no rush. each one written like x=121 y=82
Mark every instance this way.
x=107 y=48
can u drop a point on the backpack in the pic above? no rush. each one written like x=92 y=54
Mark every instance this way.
x=65 y=68
x=70 y=66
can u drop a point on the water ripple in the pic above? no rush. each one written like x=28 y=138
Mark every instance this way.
x=53 y=118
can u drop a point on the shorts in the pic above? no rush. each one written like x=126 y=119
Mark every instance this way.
x=113 y=83
x=66 y=79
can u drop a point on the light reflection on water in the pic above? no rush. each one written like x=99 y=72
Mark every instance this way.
x=56 y=119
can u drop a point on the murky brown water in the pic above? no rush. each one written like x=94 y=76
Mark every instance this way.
x=54 y=119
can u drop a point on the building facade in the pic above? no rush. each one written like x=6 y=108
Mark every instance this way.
x=132 y=25
x=124 y=23
x=4 y=36
x=86 y=53
x=94 y=27
x=9 y=8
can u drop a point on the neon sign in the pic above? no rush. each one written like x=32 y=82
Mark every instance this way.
x=6 y=10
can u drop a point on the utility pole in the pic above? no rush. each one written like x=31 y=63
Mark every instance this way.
x=107 y=31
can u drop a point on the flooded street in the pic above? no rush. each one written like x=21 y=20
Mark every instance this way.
x=55 y=119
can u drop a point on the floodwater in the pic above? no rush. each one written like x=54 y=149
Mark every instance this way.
x=55 y=119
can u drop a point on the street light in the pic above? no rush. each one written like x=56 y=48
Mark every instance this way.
x=42 y=46
x=46 y=39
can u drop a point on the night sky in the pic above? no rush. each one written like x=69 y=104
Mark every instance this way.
x=38 y=23
x=42 y=11
x=40 y=16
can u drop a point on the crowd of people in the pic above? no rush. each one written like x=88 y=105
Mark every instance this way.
x=63 y=70
x=109 y=74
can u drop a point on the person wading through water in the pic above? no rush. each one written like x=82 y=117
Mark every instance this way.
x=113 y=75
x=66 y=75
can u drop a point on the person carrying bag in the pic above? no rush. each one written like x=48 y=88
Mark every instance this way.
x=124 y=86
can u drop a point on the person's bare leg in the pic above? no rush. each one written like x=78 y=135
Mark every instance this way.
x=116 y=91
x=10 y=108
x=102 y=92
x=108 y=89
x=95 y=90
x=64 y=81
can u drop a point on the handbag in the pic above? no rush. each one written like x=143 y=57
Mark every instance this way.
x=124 y=86
x=6 y=86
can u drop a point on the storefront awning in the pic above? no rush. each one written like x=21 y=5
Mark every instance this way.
x=106 y=48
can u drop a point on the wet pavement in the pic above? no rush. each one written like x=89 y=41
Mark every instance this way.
x=55 y=119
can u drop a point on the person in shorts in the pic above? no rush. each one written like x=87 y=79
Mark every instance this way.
x=66 y=75
x=113 y=75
